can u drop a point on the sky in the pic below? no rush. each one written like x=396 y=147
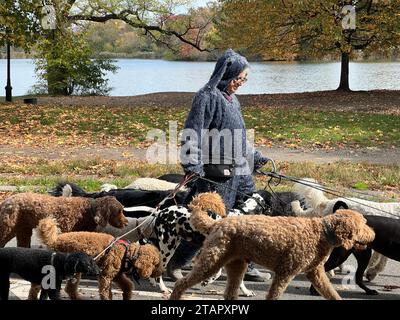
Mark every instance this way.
x=201 y=2
x=195 y=3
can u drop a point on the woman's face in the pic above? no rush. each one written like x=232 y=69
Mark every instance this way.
x=238 y=82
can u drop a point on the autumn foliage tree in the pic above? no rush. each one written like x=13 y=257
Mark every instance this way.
x=150 y=17
x=19 y=24
x=280 y=28
x=201 y=18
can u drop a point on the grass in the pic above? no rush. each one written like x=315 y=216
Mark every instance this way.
x=42 y=175
x=47 y=127
x=301 y=128
x=305 y=128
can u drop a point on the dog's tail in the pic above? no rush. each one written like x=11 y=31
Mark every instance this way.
x=47 y=231
x=310 y=193
x=200 y=206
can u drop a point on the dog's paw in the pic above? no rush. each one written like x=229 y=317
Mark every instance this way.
x=249 y=293
x=166 y=291
x=166 y=295
x=372 y=292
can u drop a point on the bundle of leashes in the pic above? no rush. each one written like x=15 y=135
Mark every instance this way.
x=279 y=177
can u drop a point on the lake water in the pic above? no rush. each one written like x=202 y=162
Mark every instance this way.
x=137 y=76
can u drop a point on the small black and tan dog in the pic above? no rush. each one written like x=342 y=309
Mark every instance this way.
x=29 y=264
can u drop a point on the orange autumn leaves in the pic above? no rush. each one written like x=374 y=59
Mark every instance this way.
x=46 y=127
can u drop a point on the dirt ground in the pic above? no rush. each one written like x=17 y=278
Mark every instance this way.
x=380 y=101
x=372 y=156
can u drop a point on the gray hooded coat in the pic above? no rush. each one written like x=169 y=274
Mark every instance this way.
x=212 y=108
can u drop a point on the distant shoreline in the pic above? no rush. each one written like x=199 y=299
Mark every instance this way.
x=251 y=61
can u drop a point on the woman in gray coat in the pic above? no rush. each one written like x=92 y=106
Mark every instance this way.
x=215 y=146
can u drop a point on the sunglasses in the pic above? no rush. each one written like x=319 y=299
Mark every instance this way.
x=242 y=80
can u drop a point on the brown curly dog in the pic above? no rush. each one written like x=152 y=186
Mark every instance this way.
x=285 y=245
x=144 y=259
x=19 y=214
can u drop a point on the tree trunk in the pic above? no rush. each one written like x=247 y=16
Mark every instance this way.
x=57 y=79
x=344 y=73
x=57 y=84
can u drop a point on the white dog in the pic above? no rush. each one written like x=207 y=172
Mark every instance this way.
x=148 y=184
x=321 y=205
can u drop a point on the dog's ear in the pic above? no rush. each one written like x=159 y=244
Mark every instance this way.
x=115 y=216
x=107 y=208
x=346 y=226
x=144 y=265
x=148 y=262
x=209 y=201
x=101 y=211
x=80 y=262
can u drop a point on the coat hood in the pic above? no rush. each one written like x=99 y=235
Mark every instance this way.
x=228 y=67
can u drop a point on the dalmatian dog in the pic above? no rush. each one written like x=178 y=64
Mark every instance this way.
x=172 y=224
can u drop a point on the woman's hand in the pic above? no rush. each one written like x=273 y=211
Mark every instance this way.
x=261 y=162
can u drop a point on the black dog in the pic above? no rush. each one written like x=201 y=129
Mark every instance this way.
x=29 y=263
x=127 y=197
x=276 y=204
x=386 y=242
x=279 y=203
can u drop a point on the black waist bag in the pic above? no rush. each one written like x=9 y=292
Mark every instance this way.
x=219 y=170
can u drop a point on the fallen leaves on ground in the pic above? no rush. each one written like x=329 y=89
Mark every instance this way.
x=45 y=126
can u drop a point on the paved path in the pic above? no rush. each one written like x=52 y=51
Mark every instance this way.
x=386 y=156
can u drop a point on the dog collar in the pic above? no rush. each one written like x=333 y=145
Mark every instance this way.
x=127 y=263
x=330 y=236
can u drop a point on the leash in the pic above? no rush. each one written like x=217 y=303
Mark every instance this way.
x=224 y=186
x=318 y=186
x=184 y=182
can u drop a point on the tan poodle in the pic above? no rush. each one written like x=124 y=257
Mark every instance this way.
x=19 y=214
x=115 y=264
x=285 y=245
